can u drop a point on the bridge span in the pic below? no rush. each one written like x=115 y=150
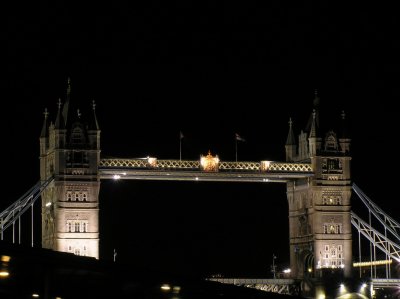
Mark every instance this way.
x=209 y=168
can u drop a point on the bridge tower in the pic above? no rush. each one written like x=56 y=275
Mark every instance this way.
x=70 y=152
x=319 y=207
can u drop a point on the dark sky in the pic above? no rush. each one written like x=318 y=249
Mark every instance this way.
x=210 y=69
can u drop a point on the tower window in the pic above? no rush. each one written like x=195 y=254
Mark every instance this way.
x=331 y=166
x=77 y=135
x=333 y=252
x=332 y=228
x=331 y=142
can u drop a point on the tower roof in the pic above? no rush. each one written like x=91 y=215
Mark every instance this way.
x=59 y=119
x=290 y=138
x=43 y=133
x=314 y=119
x=344 y=133
x=65 y=111
x=93 y=124
x=313 y=130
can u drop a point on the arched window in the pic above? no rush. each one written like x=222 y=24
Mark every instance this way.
x=84 y=196
x=77 y=135
x=69 y=227
x=331 y=142
x=69 y=196
x=77 y=227
x=84 y=227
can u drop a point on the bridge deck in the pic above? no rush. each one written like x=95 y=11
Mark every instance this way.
x=186 y=170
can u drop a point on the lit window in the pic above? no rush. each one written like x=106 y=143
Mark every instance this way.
x=333 y=252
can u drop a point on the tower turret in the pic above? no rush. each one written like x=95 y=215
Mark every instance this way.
x=290 y=145
x=314 y=141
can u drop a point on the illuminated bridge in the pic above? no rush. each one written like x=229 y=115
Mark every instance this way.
x=319 y=190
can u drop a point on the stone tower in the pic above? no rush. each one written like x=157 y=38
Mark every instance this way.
x=319 y=207
x=70 y=152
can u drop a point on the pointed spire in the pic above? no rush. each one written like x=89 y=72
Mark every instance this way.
x=68 y=87
x=290 y=138
x=94 y=125
x=314 y=118
x=43 y=133
x=313 y=130
x=316 y=99
x=59 y=119
x=344 y=125
x=66 y=104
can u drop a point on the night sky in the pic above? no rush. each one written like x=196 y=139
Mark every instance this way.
x=210 y=70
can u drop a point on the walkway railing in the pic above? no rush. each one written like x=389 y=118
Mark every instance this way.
x=153 y=163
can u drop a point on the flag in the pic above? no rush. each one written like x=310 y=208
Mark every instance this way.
x=181 y=135
x=238 y=138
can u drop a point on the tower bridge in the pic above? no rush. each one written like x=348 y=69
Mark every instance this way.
x=316 y=173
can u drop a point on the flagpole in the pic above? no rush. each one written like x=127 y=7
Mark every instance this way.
x=180 y=145
x=236 y=149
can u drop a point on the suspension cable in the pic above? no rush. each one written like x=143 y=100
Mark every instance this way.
x=10 y=215
x=388 y=222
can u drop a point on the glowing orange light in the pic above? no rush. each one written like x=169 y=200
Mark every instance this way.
x=209 y=163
